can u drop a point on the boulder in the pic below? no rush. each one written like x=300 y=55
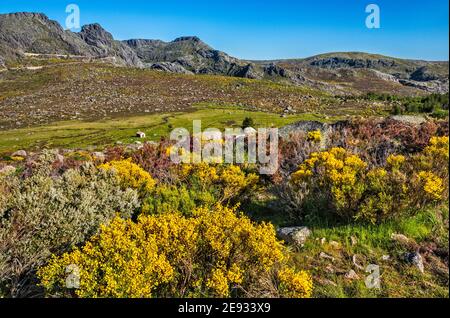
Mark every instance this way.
x=351 y=275
x=20 y=153
x=326 y=256
x=400 y=238
x=7 y=170
x=409 y=119
x=99 y=156
x=415 y=259
x=294 y=235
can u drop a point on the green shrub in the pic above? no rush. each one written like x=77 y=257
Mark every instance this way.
x=47 y=214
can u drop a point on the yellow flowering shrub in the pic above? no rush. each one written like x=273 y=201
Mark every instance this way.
x=432 y=185
x=395 y=161
x=341 y=182
x=131 y=175
x=339 y=173
x=223 y=182
x=294 y=284
x=215 y=253
x=315 y=136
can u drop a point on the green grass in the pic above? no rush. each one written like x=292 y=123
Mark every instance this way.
x=80 y=134
x=398 y=279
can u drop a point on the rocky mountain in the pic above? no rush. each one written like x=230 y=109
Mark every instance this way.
x=337 y=73
x=189 y=54
x=35 y=33
x=351 y=67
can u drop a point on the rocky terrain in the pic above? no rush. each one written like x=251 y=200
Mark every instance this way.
x=336 y=73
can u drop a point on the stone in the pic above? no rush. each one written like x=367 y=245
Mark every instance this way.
x=59 y=158
x=294 y=235
x=353 y=240
x=385 y=257
x=400 y=238
x=354 y=260
x=409 y=119
x=20 y=153
x=7 y=170
x=335 y=245
x=326 y=256
x=99 y=156
x=415 y=259
x=351 y=275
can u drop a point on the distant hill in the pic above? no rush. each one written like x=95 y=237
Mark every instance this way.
x=338 y=73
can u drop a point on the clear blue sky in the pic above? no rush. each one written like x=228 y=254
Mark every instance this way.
x=264 y=29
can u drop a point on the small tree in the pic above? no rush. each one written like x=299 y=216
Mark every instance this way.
x=248 y=122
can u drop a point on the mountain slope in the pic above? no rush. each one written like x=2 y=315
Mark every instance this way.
x=337 y=73
x=359 y=69
x=34 y=33
x=191 y=54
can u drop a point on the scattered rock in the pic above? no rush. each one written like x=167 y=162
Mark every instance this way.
x=351 y=275
x=7 y=170
x=356 y=263
x=59 y=158
x=20 y=153
x=294 y=235
x=400 y=238
x=353 y=240
x=415 y=259
x=409 y=119
x=325 y=281
x=330 y=269
x=99 y=156
x=335 y=245
x=326 y=256
x=385 y=257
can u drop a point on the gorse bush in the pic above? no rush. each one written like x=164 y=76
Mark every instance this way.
x=339 y=181
x=45 y=214
x=130 y=175
x=201 y=185
x=215 y=253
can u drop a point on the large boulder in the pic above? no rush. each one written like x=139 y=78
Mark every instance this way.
x=296 y=235
x=20 y=153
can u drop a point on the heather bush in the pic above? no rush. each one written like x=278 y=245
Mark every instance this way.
x=375 y=140
x=154 y=159
x=215 y=253
x=45 y=214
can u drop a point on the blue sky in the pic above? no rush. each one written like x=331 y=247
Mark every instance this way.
x=269 y=29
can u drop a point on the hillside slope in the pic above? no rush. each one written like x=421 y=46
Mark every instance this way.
x=336 y=73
